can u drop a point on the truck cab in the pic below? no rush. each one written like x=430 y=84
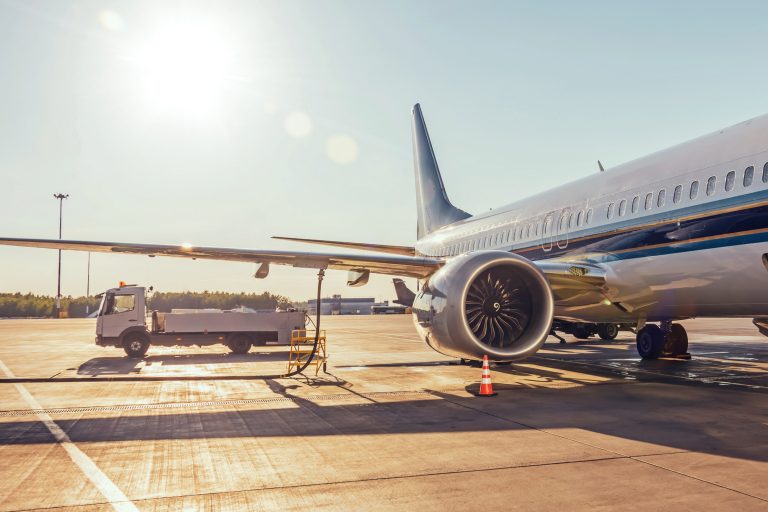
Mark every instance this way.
x=122 y=312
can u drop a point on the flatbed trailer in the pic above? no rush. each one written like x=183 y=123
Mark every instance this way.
x=123 y=322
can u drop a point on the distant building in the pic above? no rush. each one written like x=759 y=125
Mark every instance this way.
x=337 y=305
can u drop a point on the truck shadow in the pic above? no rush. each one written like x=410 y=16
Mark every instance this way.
x=99 y=366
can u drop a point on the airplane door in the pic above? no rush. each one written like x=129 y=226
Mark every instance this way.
x=562 y=228
x=549 y=232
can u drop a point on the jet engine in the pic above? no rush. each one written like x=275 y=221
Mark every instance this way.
x=485 y=303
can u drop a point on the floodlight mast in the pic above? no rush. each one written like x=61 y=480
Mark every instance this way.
x=61 y=198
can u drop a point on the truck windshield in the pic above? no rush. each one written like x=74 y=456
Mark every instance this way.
x=114 y=304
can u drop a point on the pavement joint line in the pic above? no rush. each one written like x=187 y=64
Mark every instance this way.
x=352 y=481
x=214 y=403
x=636 y=458
x=97 y=477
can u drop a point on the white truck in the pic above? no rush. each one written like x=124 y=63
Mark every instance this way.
x=122 y=322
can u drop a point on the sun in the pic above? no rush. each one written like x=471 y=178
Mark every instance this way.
x=184 y=67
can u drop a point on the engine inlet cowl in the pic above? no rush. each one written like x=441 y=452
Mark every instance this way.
x=485 y=303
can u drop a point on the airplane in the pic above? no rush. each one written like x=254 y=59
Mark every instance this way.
x=677 y=234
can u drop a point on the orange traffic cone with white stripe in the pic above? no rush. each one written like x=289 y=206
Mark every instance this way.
x=486 y=388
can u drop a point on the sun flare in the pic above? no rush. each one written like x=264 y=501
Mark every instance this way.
x=184 y=68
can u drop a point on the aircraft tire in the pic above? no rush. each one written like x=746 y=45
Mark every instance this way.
x=650 y=342
x=678 y=342
x=607 y=332
x=239 y=343
x=581 y=333
x=135 y=345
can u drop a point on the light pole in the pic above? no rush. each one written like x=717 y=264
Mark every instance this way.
x=88 y=286
x=61 y=198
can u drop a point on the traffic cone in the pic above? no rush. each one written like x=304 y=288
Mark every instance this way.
x=486 y=388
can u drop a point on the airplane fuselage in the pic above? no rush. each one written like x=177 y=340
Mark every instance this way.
x=681 y=233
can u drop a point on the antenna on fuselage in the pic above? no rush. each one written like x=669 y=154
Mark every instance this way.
x=600 y=165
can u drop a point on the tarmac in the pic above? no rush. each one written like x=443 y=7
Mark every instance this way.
x=584 y=425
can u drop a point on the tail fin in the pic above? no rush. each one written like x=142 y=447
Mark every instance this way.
x=434 y=208
x=405 y=296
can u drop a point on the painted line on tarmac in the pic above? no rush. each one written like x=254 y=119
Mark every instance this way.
x=106 y=487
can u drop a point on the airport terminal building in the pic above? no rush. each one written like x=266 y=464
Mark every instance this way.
x=337 y=305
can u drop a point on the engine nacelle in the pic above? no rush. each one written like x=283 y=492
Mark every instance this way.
x=485 y=303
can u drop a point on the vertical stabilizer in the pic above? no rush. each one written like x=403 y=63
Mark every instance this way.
x=434 y=210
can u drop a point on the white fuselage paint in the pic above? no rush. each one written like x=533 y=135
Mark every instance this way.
x=716 y=278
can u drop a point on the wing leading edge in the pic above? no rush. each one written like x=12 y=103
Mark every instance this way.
x=397 y=265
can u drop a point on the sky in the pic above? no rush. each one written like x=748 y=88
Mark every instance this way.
x=225 y=123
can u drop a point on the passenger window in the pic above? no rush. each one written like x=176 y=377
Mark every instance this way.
x=547 y=224
x=729 y=179
x=648 y=200
x=635 y=202
x=694 y=190
x=538 y=226
x=622 y=207
x=660 y=199
x=578 y=219
x=711 y=182
x=563 y=219
x=528 y=231
x=610 y=210
x=749 y=173
x=677 y=193
x=589 y=216
x=765 y=173
x=570 y=221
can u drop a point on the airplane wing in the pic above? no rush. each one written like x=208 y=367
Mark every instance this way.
x=566 y=278
x=410 y=266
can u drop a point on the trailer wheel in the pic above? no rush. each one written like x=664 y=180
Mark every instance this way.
x=239 y=343
x=135 y=345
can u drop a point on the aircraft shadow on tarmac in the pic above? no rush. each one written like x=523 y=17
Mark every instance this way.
x=127 y=366
x=699 y=419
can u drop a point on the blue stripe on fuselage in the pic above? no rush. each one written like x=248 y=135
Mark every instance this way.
x=651 y=235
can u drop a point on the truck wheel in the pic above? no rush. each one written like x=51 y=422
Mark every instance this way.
x=608 y=331
x=135 y=345
x=239 y=343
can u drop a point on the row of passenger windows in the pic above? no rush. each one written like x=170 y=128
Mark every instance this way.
x=527 y=230
x=530 y=230
x=693 y=192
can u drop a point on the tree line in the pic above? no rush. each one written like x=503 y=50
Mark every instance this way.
x=19 y=305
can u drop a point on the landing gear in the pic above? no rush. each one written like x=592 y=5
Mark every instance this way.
x=607 y=331
x=650 y=342
x=668 y=340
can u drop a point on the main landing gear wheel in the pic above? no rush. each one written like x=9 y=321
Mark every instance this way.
x=135 y=345
x=608 y=332
x=676 y=341
x=581 y=333
x=650 y=342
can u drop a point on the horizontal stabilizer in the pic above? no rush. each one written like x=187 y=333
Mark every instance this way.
x=405 y=296
x=391 y=249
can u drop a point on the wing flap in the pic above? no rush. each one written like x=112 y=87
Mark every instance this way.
x=392 y=249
